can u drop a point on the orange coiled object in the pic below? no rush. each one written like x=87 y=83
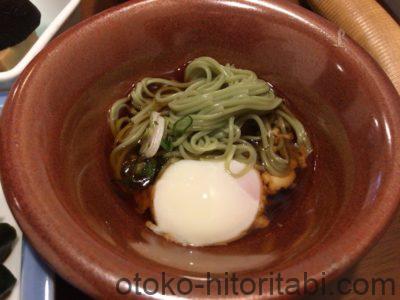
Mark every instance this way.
x=371 y=26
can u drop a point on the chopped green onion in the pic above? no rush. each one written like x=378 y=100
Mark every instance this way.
x=139 y=168
x=166 y=144
x=150 y=168
x=182 y=125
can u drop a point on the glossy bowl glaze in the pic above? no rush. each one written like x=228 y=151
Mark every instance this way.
x=55 y=145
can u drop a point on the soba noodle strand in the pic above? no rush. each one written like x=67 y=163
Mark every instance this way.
x=220 y=100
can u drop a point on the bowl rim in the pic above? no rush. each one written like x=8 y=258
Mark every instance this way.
x=53 y=247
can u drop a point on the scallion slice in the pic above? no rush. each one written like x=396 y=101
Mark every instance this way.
x=182 y=125
x=166 y=144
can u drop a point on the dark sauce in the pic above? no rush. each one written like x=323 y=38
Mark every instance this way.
x=279 y=203
x=153 y=87
x=124 y=112
x=179 y=73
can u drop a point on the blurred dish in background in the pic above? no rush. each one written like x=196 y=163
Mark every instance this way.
x=53 y=15
x=18 y=21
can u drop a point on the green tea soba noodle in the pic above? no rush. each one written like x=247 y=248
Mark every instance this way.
x=217 y=113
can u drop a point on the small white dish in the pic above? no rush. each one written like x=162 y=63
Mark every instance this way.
x=54 y=14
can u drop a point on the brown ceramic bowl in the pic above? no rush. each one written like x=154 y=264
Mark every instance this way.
x=55 y=145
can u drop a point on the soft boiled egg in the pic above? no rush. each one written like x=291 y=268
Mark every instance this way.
x=199 y=203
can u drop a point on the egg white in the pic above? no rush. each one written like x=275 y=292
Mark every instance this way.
x=199 y=203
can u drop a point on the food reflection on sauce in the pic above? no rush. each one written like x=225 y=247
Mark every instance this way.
x=197 y=260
